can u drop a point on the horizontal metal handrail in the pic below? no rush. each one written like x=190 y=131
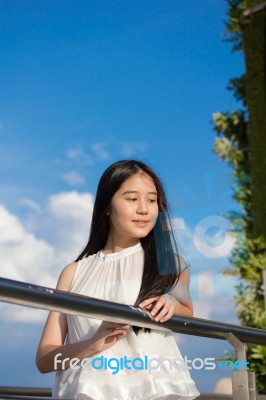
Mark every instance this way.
x=25 y=391
x=32 y=393
x=35 y=296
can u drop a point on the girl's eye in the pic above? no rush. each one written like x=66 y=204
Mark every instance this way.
x=132 y=199
x=152 y=200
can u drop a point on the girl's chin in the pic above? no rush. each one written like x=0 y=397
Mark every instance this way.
x=141 y=233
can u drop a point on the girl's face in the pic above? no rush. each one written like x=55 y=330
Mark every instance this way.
x=133 y=210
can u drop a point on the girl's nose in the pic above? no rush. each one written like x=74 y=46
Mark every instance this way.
x=142 y=207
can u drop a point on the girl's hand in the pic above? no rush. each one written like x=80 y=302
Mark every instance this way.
x=108 y=334
x=161 y=309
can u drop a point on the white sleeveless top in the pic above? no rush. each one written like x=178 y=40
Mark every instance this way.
x=117 y=277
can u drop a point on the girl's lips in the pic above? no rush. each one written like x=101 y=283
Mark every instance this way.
x=141 y=222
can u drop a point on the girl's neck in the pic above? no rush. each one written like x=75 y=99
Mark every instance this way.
x=114 y=245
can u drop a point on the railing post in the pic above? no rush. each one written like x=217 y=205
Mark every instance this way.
x=243 y=382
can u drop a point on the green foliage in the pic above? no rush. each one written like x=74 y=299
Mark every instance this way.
x=233 y=23
x=235 y=9
x=237 y=86
x=248 y=258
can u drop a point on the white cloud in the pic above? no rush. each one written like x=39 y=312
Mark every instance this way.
x=205 y=282
x=29 y=203
x=37 y=250
x=23 y=255
x=208 y=303
x=100 y=151
x=12 y=312
x=222 y=310
x=65 y=222
x=70 y=205
x=73 y=178
x=130 y=149
x=79 y=155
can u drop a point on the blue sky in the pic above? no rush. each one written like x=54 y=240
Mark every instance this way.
x=83 y=84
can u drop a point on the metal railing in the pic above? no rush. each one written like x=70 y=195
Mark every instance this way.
x=30 y=295
x=25 y=393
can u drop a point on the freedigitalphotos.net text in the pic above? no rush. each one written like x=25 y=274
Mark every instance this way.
x=117 y=364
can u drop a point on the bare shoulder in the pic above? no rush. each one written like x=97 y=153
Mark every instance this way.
x=184 y=270
x=66 y=277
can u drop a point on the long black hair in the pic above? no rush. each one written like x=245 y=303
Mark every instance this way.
x=161 y=259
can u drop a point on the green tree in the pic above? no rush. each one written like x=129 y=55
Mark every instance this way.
x=241 y=142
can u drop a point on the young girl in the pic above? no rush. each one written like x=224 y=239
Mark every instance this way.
x=130 y=258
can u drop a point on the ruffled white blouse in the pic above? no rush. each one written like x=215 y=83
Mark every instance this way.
x=135 y=368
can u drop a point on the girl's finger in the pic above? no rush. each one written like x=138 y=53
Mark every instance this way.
x=162 y=314
x=157 y=307
x=148 y=302
x=117 y=332
x=167 y=316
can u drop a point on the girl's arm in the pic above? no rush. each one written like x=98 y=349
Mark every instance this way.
x=55 y=330
x=180 y=296
x=176 y=302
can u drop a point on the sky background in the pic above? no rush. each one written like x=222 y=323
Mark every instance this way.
x=84 y=84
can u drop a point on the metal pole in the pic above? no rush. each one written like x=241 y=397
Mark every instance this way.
x=69 y=303
x=243 y=382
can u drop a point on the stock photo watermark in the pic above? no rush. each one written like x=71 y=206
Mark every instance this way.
x=213 y=236
x=147 y=363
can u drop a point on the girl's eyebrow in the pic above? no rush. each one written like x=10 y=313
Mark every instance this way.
x=135 y=191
